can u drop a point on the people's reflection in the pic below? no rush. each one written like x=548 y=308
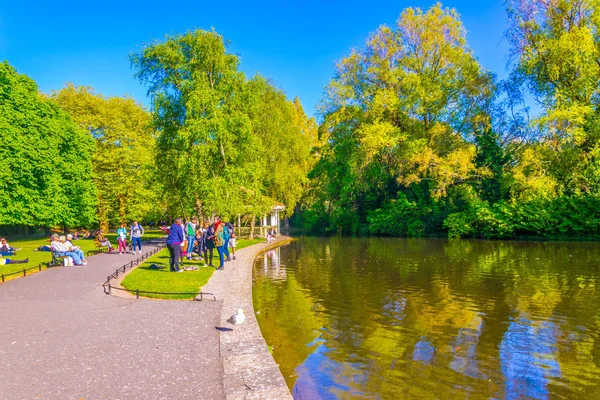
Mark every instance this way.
x=275 y=269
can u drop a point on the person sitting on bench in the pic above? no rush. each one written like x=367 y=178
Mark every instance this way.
x=75 y=249
x=102 y=241
x=63 y=249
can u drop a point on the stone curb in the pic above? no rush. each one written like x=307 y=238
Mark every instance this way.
x=249 y=369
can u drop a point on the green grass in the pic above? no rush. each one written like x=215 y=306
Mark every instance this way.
x=162 y=280
x=44 y=257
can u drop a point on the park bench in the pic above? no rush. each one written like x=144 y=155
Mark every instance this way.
x=57 y=260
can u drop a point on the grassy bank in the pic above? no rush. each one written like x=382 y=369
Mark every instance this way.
x=44 y=257
x=161 y=280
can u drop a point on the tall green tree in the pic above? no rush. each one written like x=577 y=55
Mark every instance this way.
x=400 y=114
x=123 y=160
x=45 y=159
x=205 y=148
x=556 y=48
x=226 y=144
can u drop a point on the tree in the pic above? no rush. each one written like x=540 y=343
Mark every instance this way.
x=287 y=137
x=401 y=114
x=205 y=147
x=123 y=160
x=226 y=144
x=45 y=159
x=556 y=47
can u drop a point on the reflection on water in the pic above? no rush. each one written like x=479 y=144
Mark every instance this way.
x=395 y=318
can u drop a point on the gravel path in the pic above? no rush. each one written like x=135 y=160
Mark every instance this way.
x=62 y=338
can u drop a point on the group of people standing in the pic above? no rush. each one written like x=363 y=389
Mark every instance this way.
x=184 y=238
x=136 y=231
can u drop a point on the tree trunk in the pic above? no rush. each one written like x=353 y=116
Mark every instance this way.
x=198 y=208
x=252 y=222
x=102 y=218
x=122 y=208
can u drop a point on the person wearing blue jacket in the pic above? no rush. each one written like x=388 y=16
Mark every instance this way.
x=174 y=241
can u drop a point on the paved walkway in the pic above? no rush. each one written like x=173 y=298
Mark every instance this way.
x=62 y=338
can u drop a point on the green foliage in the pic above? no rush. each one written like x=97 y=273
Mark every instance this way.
x=226 y=144
x=561 y=217
x=399 y=217
x=419 y=140
x=123 y=159
x=45 y=159
x=398 y=126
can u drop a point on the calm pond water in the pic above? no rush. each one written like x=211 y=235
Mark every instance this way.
x=394 y=318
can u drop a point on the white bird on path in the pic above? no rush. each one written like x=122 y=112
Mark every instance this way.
x=237 y=319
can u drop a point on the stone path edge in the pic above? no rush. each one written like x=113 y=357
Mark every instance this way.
x=249 y=369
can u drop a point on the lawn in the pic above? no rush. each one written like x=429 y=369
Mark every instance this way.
x=43 y=257
x=161 y=280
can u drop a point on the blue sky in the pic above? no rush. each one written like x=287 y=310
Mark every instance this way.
x=296 y=44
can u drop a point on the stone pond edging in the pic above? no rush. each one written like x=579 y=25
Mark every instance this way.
x=249 y=369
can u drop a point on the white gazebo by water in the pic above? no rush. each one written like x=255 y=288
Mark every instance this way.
x=273 y=219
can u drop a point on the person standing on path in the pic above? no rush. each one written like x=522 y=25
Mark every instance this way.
x=200 y=248
x=219 y=242
x=174 y=241
x=190 y=231
x=137 y=231
x=209 y=244
x=226 y=237
x=232 y=240
x=122 y=239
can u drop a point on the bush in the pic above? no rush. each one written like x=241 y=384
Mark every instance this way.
x=565 y=217
x=399 y=217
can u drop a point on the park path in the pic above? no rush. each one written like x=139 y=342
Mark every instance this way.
x=62 y=338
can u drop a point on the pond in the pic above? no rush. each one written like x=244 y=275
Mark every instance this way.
x=379 y=318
